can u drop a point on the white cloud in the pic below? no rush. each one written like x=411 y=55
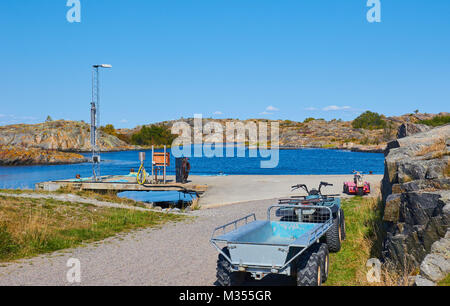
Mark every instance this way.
x=13 y=119
x=265 y=113
x=271 y=108
x=311 y=109
x=124 y=121
x=335 y=108
x=217 y=113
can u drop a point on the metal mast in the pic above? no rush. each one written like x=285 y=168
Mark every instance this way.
x=95 y=121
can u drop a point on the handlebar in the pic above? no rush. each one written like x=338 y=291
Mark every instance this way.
x=306 y=188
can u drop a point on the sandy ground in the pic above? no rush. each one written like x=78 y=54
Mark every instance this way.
x=176 y=254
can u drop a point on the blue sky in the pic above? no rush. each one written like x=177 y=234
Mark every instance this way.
x=288 y=59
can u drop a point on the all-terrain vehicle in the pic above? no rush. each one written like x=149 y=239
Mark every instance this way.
x=337 y=233
x=296 y=245
x=358 y=186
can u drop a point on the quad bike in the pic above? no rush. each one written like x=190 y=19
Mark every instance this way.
x=358 y=186
x=315 y=198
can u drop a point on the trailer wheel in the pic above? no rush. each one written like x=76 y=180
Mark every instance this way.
x=324 y=254
x=334 y=236
x=343 y=232
x=309 y=271
x=225 y=277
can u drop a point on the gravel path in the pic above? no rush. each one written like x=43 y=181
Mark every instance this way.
x=176 y=254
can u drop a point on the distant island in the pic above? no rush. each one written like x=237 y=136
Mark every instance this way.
x=59 y=142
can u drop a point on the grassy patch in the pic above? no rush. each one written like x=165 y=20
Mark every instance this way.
x=436 y=121
x=363 y=219
x=437 y=147
x=109 y=196
x=445 y=281
x=348 y=267
x=29 y=227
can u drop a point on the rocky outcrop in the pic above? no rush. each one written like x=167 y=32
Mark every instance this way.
x=14 y=156
x=416 y=194
x=436 y=265
x=68 y=136
x=408 y=129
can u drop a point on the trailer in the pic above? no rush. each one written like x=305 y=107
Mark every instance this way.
x=256 y=248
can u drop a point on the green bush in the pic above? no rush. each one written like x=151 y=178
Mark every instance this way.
x=369 y=121
x=436 y=121
x=109 y=129
x=153 y=135
x=309 y=120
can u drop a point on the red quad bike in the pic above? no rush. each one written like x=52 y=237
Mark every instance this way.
x=358 y=186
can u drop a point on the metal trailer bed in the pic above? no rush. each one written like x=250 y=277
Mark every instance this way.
x=262 y=247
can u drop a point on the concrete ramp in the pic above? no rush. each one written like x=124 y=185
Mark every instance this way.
x=223 y=190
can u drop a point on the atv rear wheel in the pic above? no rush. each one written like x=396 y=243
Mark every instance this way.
x=324 y=255
x=342 y=223
x=334 y=235
x=225 y=277
x=309 y=271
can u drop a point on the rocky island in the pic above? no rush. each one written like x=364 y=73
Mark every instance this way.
x=53 y=142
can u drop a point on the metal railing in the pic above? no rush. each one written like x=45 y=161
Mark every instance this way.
x=235 y=223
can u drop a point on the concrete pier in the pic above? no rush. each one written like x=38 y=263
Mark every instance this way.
x=122 y=183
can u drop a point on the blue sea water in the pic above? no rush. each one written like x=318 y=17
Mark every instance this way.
x=298 y=161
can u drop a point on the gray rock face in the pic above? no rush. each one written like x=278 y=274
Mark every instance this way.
x=423 y=282
x=408 y=129
x=436 y=265
x=415 y=190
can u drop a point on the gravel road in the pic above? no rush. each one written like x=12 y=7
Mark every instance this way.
x=176 y=254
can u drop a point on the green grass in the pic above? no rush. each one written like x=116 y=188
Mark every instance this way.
x=29 y=227
x=445 y=281
x=363 y=241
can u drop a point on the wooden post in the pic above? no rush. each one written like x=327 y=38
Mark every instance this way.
x=165 y=162
x=153 y=151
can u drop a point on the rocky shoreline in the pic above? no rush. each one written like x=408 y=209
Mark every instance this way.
x=15 y=156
